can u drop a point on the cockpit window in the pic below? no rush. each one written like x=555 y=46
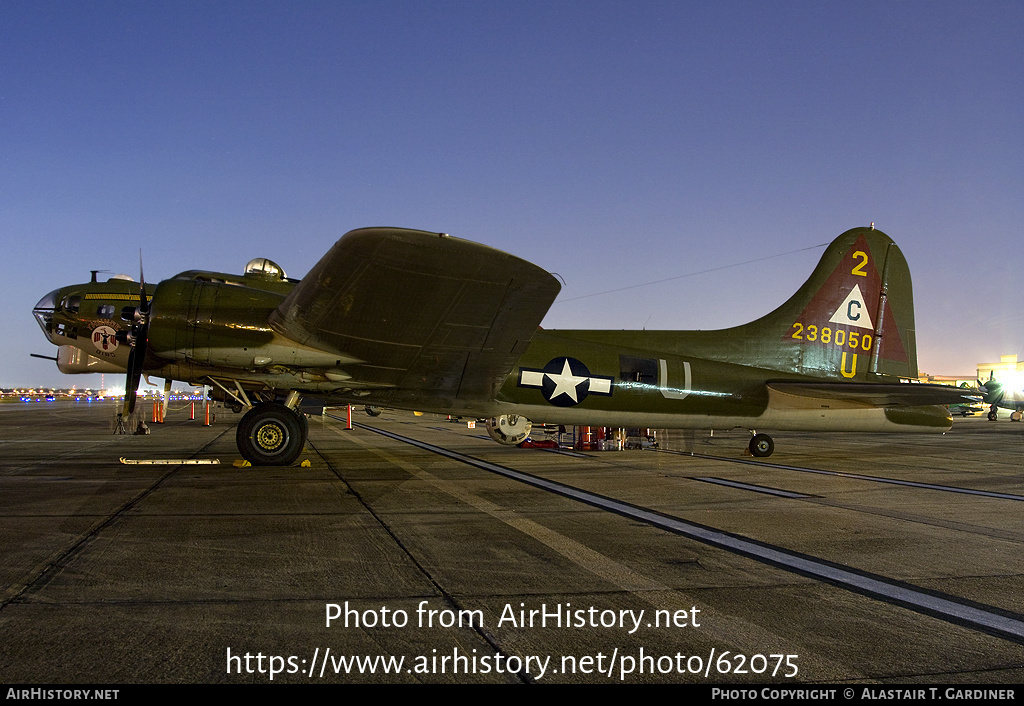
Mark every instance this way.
x=72 y=303
x=105 y=311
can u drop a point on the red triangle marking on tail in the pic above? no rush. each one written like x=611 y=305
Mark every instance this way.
x=836 y=301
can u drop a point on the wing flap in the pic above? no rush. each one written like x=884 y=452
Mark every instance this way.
x=433 y=318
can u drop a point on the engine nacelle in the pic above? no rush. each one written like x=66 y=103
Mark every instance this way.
x=72 y=360
x=509 y=429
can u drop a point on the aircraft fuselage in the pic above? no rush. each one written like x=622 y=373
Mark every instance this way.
x=384 y=320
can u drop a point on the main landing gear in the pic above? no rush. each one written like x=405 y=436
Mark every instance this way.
x=761 y=445
x=272 y=434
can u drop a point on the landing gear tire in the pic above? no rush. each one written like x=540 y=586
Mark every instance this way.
x=372 y=411
x=761 y=446
x=992 y=416
x=1015 y=416
x=270 y=434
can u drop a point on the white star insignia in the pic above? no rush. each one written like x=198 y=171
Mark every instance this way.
x=565 y=382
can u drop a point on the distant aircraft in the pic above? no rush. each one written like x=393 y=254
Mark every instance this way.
x=423 y=321
x=997 y=394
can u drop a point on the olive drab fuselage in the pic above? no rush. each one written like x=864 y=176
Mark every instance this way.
x=420 y=321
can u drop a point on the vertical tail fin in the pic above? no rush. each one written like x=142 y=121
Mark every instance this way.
x=853 y=319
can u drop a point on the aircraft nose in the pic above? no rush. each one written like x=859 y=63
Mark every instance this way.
x=43 y=311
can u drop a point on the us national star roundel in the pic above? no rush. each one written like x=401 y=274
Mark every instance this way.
x=565 y=382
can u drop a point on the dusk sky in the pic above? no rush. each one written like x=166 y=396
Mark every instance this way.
x=614 y=143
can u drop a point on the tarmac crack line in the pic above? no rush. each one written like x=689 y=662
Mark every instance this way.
x=856 y=476
x=444 y=593
x=988 y=619
x=43 y=571
x=994 y=533
x=734 y=630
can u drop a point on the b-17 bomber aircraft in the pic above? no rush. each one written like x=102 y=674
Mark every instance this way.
x=422 y=321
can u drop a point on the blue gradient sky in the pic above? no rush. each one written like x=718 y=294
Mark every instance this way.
x=614 y=143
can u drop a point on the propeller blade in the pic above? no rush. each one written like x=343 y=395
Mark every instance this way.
x=131 y=387
x=139 y=340
x=143 y=303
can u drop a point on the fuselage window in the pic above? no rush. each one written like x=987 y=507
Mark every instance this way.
x=642 y=370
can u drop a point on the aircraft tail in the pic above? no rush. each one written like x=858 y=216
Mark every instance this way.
x=853 y=319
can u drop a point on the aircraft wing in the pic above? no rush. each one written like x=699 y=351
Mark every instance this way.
x=876 y=394
x=432 y=318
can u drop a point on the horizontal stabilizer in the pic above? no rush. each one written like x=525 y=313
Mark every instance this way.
x=876 y=394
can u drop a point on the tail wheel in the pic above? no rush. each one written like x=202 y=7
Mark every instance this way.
x=270 y=434
x=761 y=445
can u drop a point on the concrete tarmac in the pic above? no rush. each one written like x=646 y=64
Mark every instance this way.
x=441 y=572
